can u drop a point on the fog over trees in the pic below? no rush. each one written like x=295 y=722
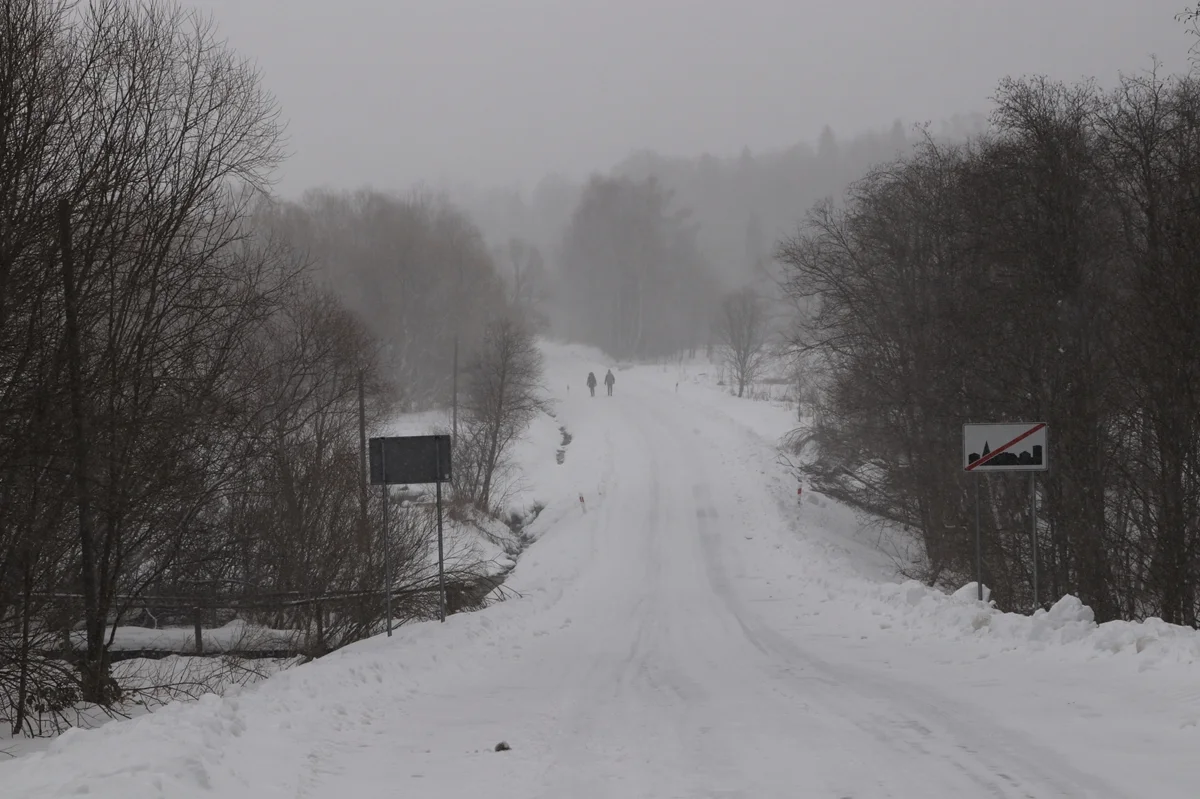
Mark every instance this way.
x=185 y=353
x=742 y=203
x=632 y=278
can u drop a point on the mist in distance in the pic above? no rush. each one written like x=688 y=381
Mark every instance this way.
x=489 y=94
x=747 y=113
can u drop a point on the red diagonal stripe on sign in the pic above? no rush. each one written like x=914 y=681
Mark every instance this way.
x=998 y=450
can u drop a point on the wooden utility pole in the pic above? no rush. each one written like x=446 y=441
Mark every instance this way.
x=364 y=529
x=454 y=400
x=94 y=670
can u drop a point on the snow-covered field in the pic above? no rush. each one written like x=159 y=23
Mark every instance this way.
x=689 y=630
x=233 y=636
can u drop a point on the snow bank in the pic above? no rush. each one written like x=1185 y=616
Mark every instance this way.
x=481 y=545
x=279 y=731
x=1068 y=623
x=538 y=475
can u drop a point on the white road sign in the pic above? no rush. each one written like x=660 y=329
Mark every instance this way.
x=1019 y=447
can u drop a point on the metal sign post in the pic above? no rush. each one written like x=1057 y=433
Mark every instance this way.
x=978 y=547
x=411 y=460
x=1033 y=542
x=387 y=548
x=441 y=553
x=1020 y=447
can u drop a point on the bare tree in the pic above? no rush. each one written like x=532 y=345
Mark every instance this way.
x=529 y=288
x=742 y=329
x=179 y=137
x=1151 y=168
x=415 y=269
x=130 y=141
x=36 y=495
x=1191 y=17
x=503 y=395
x=868 y=319
x=633 y=276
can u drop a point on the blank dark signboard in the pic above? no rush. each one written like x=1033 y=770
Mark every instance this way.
x=409 y=459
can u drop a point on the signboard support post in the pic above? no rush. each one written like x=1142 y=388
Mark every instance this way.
x=387 y=555
x=1007 y=447
x=412 y=460
x=364 y=531
x=1033 y=535
x=978 y=547
x=454 y=390
x=441 y=553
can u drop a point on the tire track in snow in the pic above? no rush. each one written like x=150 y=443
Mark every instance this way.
x=602 y=734
x=655 y=673
x=912 y=722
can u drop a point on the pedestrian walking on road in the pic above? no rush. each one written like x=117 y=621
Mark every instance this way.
x=609 y=380
x=591 y=383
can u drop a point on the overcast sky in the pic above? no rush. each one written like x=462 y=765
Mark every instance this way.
x=390 y=92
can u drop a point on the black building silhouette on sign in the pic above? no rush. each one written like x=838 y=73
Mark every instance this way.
x=1010 y=458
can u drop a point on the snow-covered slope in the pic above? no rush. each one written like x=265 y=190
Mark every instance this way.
x=689 y=630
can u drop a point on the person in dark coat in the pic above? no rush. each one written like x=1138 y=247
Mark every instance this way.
x=609 y=380
x=591 y=383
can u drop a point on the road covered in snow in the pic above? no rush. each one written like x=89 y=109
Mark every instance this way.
x=695 y=632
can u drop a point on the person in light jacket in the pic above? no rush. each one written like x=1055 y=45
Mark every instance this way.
x=609 y=380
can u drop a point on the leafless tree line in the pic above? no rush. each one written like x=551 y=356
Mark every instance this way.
x=633 y=281
x=183 y=362
x=1047 y=271
x=400 y=263
x=131 y=145
x=530 y=286
x=742 y=331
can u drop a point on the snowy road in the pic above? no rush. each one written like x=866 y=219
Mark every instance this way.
x=690 y=635
x=655 y=677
